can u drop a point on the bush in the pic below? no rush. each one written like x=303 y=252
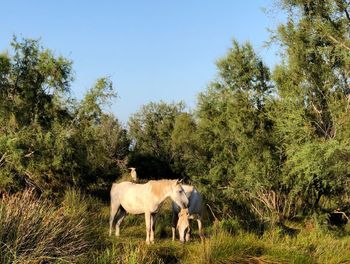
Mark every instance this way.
x=230 y=226
x=33 y=230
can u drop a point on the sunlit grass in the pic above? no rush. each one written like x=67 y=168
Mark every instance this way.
x=33 y=230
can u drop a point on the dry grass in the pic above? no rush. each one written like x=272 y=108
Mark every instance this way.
x=33 y=230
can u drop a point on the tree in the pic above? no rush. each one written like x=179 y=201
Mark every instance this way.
x=311 y=112
x=30 y=82
x=151 y=133
x=48 y=140
x=235 y=131
x=189 y=157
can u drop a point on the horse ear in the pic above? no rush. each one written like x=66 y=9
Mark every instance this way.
x=179 y=181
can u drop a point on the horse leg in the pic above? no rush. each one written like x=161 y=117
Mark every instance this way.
x=173 y=224
x=148 y=226
x=153 y=220
x=200 y=229
x=114 y=209
x=120 y=216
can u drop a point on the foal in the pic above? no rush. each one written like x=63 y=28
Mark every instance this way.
x=194 y=211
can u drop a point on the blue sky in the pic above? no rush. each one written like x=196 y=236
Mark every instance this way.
x=152 y=50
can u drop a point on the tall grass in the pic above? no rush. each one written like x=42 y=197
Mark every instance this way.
x=225 y=248
x=138 y=252
x=33 y=230
x=310 y=246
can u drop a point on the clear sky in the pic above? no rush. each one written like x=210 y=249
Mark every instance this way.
x=152 y=49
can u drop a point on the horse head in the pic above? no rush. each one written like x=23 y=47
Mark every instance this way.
x=178 y=194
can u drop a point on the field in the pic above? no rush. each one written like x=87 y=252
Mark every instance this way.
x=266 y=144
x=34 y=230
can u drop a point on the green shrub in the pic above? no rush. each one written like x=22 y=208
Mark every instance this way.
x=230 y=226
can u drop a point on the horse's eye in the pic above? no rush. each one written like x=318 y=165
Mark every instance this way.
x=180 y=191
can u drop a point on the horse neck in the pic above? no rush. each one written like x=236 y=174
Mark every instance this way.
x=162 y=189
x=188 y=188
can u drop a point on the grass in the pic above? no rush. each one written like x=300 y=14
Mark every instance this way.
x=229 y=245
x=33 y=230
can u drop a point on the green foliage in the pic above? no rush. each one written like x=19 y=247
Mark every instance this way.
x=100 y=94
x=189 y=157
x=151 y=134
x=47 y=140
x=309 y=114
x=30 y=80
x=317 y=169
x=235 y=132
x=262 y=148
x=231 y=226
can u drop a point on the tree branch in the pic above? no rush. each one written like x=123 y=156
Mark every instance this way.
x=215 y=218
x=342 y=213
x=346 y=10
x=338 y=42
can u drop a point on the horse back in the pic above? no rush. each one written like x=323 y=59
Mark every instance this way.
x=134 y=198
x=195 y=203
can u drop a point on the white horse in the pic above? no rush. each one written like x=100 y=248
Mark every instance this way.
x=181 y=218
x=128 y=197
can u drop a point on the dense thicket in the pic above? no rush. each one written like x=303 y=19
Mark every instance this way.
x=47 y=140
x=261 y=144
x=311 y=111
x=269 y=146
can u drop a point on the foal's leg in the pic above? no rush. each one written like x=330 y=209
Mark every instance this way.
x=173 y=224
x=120 y=216
x=114 y=209
x=148 y=226
x=188 y=234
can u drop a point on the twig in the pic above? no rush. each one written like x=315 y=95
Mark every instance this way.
x=216 y=219
x=3 y=157
x=338 y=42
x=342 y=213
x=29 y=154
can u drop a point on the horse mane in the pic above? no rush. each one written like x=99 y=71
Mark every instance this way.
x=160 y=187
x=188 y=188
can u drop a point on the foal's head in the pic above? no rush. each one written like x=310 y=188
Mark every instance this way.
x=183 y=224
x=178 y=194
